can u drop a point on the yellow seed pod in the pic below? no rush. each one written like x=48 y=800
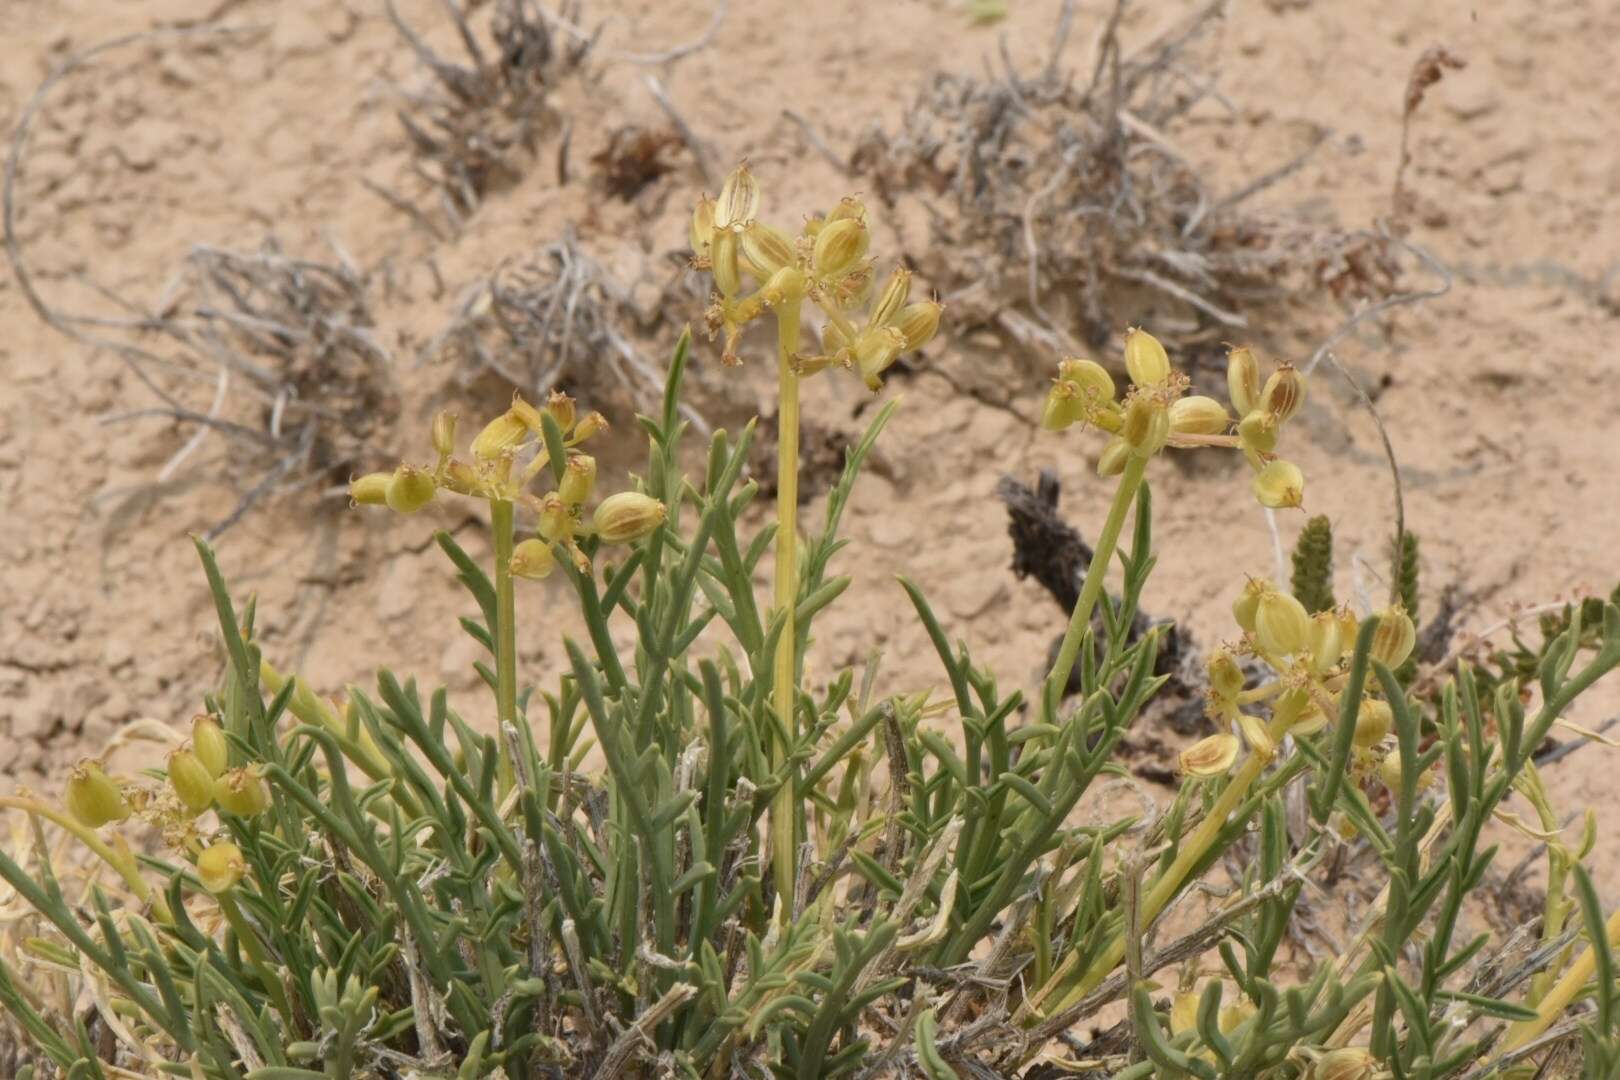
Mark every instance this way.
x=1327 y=642
x=209 y=744
x=628 y=516
x=370 y=489
x=849 y=207
x=1280 y=485
x=725 y=263
x=739 y=199
x=1198 y=415
x=579 y=477
x=221 y=867
x=1281 y=625
x=892 y=299
x=1348 y=1063
x=460 y=477
x=1349 y=626
x=768 y=248
x=1373 y=720
x=1064 y=406
x=444 y=433
x=1111 y=462
x=1395 y=637
x=1389 y=771
x=1147 y=425
x=875 y=351
x=1256 y=735
x=1089 y=377
x=556 y=521
x=562 y=410
x=94 y=798
x=919 y=323
x=1311 y=719
x=243 y=792
x=1208 y=757
x=1145 y=358
x=1243 y=379
x=1257 y=432
x=1247 y=605
x=533 y=559
x=702 y=230
x=502 y=434
x=193 y=784
x=1225 y=674
x=839 y=246
x=410 y=490
x=1284 y=393
x=593 y=424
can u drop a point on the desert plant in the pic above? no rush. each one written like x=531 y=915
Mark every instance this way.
x=773 y=878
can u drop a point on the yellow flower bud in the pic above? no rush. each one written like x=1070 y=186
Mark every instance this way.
x=848 y=207
x=243 y=792
x=556 y=521
x=1257 y=431
x=1327 y=641
x=725 y=263
x=504 y=433
x=839 y=246
x=527 y=414
x=533 y=559
x=461 y=478
x=1311 y=718
x=1147 y=425
x=1247 y=605
x=1281 y=625
x=593 y=423
x=1348 y=1063
x=578 y=479
x=1198 y=415
x=94 y=798
x=370 y=489
x=739 y=199
x=191 y=780
x=919 y=323
x=1243 y=379
x=1349 y=626
x=1284 y=393
x=768 y=248
x=1064 y=406
x=1090 y=378
x=1256 y=735
x=1280 y=485
x=702 y=231
x=891 y=300
x=561 y=408
x=221 y=867
x=410 y=490
x=785 y=286
x=628 y=516
x=209 y=744
x=444 y=434
x=1208 y=757
x=1111 y=462
x=1145 y=358
x=875 y=351
x=1395 y=637
x=1225 y=674
x=1373 y=720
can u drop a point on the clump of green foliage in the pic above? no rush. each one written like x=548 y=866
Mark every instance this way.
x=774 y=878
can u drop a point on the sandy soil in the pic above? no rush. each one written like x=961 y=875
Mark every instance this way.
x=1499 y=396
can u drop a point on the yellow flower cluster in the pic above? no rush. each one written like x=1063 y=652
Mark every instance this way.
x=492 y=473
x=1156 y=412
x=759 y=268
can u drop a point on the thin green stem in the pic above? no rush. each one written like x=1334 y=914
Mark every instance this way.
x=1129 y=483
x=783 y=809
x=500 y=514
x=249 y=940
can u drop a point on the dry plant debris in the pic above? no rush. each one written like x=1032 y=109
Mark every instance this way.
x=1059 y=205
x=634 y=158
x=557 y=316
x=475 y=129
